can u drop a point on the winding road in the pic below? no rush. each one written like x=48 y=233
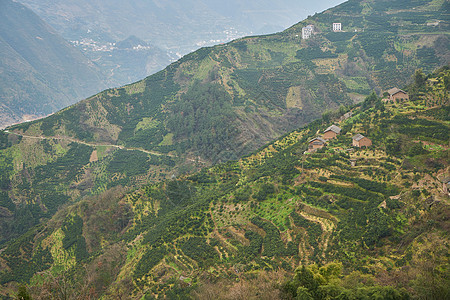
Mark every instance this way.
x=88 y=144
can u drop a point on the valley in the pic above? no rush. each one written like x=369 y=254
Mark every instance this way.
x=40 y=72
x=172 y=29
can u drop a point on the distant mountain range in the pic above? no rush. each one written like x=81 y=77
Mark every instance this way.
x=40 y=72
x=172 y=28
x=43 y=73
x=172 y=24
x=125 y=61
x=214 y=101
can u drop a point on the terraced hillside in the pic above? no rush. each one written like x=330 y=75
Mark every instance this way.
x=214 y=105
x=224 y=230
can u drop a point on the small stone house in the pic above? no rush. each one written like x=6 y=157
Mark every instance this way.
x=361 y=141
x=331 y=132
x=316 y=143
x=397 y=94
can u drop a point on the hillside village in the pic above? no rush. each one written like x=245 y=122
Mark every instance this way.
x=331 y=133
x=391 y=98
x=332 y=198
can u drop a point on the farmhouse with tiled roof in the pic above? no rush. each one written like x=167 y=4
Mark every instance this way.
x=316 y=143
x=361 y=141
x=397 y=94
x=331 y=132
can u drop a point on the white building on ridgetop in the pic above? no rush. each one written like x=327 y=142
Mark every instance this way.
x=337 y=27
x=307 y=31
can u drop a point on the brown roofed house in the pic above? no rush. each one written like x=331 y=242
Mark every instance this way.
x=316 y=143
x=361 y=141
x=331 y=132
x=397 y=94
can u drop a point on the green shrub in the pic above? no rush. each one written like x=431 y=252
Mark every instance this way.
x=266 y=190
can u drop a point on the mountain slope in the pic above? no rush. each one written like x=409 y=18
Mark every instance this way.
x=221 y=231
x=40 y=71
x=213 y=105
x=277 y=80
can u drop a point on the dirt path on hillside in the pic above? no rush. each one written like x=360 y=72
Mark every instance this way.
x=89 y=144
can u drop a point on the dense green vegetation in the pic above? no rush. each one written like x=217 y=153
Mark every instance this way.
x=275 y=209
x=64 y=169
x=129 y=162
x=72 y=228
x=327 y=282
x=203 y=118
x=107 y=181
x=220 y=103
x=24 y=266
x=420 y=128
x=314 y=53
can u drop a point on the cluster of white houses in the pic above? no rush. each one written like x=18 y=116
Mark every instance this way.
x=332 y=132
x=308 y=30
